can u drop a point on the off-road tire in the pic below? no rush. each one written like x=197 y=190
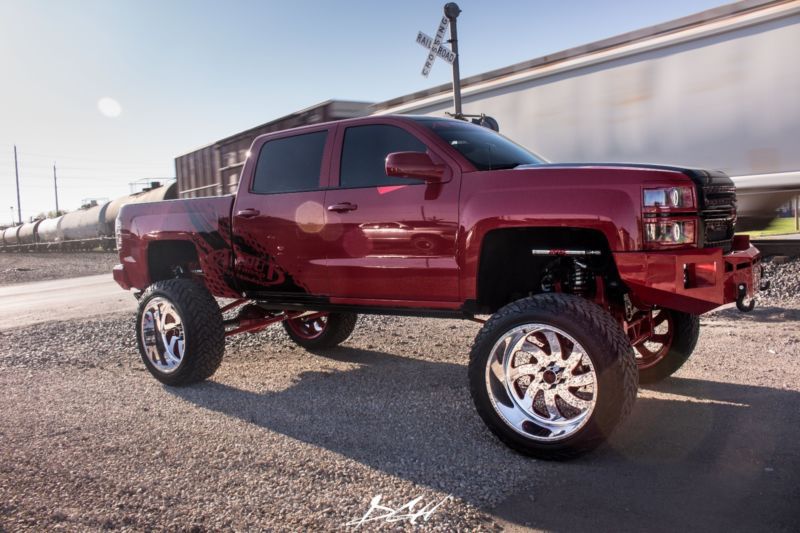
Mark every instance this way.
x=684 y=340
x=604 y=342
x=338 y=329
x=204 y=330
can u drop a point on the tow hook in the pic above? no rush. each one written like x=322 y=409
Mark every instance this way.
x=742 y=294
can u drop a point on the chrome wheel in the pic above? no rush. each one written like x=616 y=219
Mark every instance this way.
x=541 y=382
x=308 y=328
x=651 y=351
x=163 y=335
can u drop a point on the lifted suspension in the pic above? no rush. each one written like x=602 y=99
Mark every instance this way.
x=251 y=318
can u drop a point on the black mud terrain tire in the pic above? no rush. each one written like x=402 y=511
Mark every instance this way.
x=201 y=329
x=604 y=343
x=685 y=333
x=331 y=330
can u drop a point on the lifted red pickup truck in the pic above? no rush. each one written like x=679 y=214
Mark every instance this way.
x=589 y=271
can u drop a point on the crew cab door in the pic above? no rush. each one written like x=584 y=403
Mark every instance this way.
x=390 y=239
x=278 y=216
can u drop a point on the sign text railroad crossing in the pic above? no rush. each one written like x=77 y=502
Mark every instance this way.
x=435 y=47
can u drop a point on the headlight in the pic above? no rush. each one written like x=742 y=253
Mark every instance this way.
x=669 y=198
x=666 y=232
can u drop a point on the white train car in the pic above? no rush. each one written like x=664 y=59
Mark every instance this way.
x=719 y=89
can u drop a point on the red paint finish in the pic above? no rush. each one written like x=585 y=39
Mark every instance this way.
x=418 y=245
x=657 y=278
x=280 y=249
x=204 y=222
x=121 y=277
x=604 y=199
x=400 y=241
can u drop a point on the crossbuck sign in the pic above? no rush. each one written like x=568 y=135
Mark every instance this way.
x=435 y=47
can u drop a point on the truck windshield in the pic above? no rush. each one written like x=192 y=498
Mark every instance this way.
x=484 y=148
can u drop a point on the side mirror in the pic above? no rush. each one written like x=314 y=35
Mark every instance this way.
x=416 y=165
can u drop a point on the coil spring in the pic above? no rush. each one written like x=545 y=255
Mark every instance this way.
x=578 y=278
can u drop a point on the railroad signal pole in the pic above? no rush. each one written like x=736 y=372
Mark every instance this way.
x=16 y=172
x=437 y=49
x=452 y=11
x=55 y=185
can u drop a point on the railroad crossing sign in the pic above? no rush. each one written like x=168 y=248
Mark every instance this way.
x=435 y=47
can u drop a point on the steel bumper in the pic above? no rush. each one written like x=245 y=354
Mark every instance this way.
x=692 y=281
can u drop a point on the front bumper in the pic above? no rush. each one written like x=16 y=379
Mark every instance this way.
x=692 y=281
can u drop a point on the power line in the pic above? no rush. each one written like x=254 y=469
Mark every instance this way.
x=55 y=186
x=105 y=179
x=81 y=158
x=98 y=168
x=16 y=172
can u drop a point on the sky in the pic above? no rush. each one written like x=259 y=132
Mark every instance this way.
x=111 y=91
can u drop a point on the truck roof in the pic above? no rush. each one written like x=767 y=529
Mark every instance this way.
x=356 y=120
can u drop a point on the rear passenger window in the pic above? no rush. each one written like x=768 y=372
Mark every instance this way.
x=364 y=155
x=290 y=164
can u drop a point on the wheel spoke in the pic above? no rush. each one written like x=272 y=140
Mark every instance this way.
x=170 y=358
x=660 y=318
x=573 y=401
x=152 y=354
x=162 y=319
x=497 y=370
x=662 y=338
x=574 y=359
x=554 y=344
x=581 y=380
x=515 y=417
x=516 y=372
x=518 y=341
x=550 y=404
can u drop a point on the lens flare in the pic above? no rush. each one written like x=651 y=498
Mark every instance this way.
x=109 y=107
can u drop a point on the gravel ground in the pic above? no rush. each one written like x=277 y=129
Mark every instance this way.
x=784 y=283
x=284 y=440
x=27 y=267
x=280 y=439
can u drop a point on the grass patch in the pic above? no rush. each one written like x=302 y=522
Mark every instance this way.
x=778 y=226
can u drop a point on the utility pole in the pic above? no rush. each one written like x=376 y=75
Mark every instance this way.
x=55 y=185
x=452 y=11
x=16 y=171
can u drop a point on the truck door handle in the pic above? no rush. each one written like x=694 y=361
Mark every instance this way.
x=248 y=213
x=342 y=207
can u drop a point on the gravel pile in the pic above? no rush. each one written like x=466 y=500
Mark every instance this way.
x=784 y=284
x=27 y=267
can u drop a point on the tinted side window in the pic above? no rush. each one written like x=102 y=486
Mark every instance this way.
x=290 y=164
x=364 y=154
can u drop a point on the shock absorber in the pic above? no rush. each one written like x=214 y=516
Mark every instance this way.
x=579 y=278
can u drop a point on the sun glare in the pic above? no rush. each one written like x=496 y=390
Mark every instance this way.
x=109 y=107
